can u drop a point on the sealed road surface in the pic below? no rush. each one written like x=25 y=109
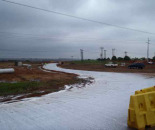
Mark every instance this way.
x=103 y=105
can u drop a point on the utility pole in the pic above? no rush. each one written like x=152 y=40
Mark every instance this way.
x=148 y=42
x=126 y=53
x=81 y=54
x=101 y=55
x=105 y=54
x=113 y=52
x=72 y=57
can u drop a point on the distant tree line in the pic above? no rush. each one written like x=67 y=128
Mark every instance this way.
x=126 y=58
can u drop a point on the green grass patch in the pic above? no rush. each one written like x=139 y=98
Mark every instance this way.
x=18 y=88
x=36 y=87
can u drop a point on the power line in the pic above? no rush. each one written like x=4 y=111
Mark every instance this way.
x=27 y=35
x=76 y=17
x=6 y=50
x=31 y=36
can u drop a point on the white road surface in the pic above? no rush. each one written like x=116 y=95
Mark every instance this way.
x=102 y=105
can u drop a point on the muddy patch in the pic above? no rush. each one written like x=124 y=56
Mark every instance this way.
x=79 y=83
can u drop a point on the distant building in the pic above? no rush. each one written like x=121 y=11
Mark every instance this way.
x=18 y=63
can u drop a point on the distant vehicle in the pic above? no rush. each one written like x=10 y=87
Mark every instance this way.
x=122 y=64
x=150 y=62
x=136 y=66
x=110 y=64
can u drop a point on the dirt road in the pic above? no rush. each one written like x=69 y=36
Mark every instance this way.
x=101 y=105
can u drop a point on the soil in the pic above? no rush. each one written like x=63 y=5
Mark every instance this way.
x=102 y=68
x=36 y=74
x=51 y=81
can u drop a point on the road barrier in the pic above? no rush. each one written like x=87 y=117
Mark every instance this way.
x=141 y=112
x=145 y=90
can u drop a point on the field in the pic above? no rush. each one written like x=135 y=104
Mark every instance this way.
x=94 y=65
x=33 y=82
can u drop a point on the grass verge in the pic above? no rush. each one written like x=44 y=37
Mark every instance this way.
x=18 y=88
x=35 y=88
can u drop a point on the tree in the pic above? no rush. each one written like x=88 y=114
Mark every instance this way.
x=108 y=58
x=143 y=58
x=127 y=58
x=114 y=58
x=153 y=58
x=135 y=58
x=99 y=59
x=120 y=58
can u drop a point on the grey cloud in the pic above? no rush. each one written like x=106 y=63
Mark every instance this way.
x=63 y=36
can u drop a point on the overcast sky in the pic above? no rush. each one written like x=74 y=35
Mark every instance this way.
x=31 y=33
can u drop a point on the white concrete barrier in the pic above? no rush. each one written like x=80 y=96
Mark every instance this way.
x=9 y=70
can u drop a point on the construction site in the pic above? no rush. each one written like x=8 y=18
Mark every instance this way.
x=30 y=96
x=77 y=65
x=30 y=81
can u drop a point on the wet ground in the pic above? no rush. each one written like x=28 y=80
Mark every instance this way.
x=101 y=105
